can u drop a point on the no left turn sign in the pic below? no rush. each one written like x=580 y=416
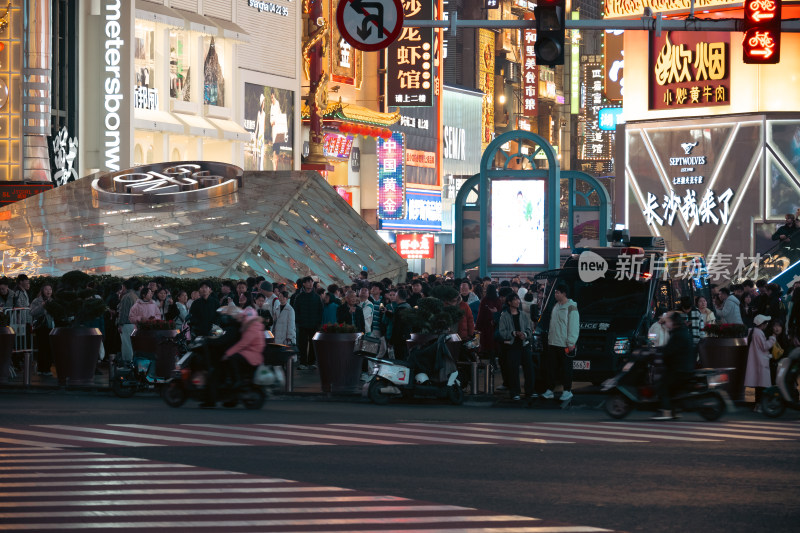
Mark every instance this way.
x=369 y=25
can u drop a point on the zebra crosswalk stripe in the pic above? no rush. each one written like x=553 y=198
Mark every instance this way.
x=162 y=497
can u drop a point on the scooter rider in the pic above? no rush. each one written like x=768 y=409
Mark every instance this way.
x=678 y=355
x=215 y=348
x=242 y=358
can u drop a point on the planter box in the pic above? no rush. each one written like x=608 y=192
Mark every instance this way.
x=726 y=353
x=150 y=341
x=339 y=369
x=76 y=351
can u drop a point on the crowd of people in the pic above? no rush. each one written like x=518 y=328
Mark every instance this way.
x=771 y=319
x=502 y=314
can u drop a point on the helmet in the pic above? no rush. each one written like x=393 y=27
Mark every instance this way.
x=421 y=378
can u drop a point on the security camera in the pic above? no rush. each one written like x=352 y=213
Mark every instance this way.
x=648 y=12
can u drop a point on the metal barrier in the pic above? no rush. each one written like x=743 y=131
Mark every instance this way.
x=475 y=367
x=19 y=319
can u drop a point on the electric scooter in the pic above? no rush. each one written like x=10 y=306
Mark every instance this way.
x=635 y=388
x=393 y=378
x=775 y=399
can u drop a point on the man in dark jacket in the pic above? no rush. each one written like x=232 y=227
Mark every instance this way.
x=784 y=233
x=679 y=361
x=203 y=312
x=401 y=330
x=307 y=316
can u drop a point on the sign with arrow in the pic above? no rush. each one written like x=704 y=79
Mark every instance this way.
x=369 y=25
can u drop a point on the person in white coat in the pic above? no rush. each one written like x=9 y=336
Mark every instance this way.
x=283 y=328
x=758 y=356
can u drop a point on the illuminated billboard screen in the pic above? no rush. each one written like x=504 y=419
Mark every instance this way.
x=518 y=231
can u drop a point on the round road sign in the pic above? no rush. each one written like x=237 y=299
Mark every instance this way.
x=369 y=25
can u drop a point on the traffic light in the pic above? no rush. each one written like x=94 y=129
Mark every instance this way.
x=761 y=43
x=550 y=30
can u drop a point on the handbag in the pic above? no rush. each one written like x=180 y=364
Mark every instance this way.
x=264 y=376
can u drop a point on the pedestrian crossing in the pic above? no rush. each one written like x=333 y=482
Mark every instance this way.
x=48 y=489
x=488 y=433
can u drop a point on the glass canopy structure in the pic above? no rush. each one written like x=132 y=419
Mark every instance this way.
x=280 y=225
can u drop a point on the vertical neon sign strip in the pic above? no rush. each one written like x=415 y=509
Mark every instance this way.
x=575 y=69
x=391 y=177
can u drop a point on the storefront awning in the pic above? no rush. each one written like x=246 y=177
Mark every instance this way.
x=162 y=14
x=162 y=121
x=229 y=129
x=198 y=23
x=229 y=30
x=195 y=125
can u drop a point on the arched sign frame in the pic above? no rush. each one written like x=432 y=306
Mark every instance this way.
x=488 y=175
x=553 y=175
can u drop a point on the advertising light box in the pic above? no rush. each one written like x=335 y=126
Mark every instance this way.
x=415 y=246
x=518 y=233
x=337 y=146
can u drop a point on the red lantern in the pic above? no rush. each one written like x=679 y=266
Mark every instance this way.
x=386 y=133
x=343 y=127
x=374 y=132
x=363 y=129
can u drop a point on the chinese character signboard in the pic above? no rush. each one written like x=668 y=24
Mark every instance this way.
x=596 y=142
x=337 y=146
x=145 y=97
x=485 y=58
x=415 y=246
x=530 y=74
x=635 y=8
x=409 y=60
x=391 y=182
x=345 y=61
x=690 y=69
x=423 y=212
x=613 y=63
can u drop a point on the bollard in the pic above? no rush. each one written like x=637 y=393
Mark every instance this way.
x=289 y=371
x=26 y=369
x=489 y=378
x=473 y=386
x=111 y=367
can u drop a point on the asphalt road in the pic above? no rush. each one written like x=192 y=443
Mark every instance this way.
x=728 y=480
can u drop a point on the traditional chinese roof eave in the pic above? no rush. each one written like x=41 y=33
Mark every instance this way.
x=354 y=113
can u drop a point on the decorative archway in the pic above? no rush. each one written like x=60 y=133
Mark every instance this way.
x=588 y=210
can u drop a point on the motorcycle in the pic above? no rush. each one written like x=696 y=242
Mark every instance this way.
x=146 y=371
x=635 y=388
x=412 y=378
x=190 y=378
x=784 y=393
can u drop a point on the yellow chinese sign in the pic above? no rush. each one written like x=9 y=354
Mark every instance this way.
x=689 y=69
x=635 y=8
x=485 y=58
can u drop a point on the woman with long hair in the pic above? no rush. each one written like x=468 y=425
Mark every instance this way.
x=490 y=305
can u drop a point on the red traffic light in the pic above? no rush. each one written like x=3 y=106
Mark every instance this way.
x=761 y=43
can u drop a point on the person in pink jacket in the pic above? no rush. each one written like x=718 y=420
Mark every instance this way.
x=145 y=308
x=249 y=350
x=758 y=356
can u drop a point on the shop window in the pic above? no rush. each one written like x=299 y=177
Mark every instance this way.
x=138 y=155
x=213 y=78
x=145 y=55
x=179 y=70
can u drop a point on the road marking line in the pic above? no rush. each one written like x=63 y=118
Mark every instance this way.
x=199 y=501
x=706 y=432
x=384 y=430
x=490 y=427
x=144 y=436
x=73 y=437
x=264 y=428
x=183 y=429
